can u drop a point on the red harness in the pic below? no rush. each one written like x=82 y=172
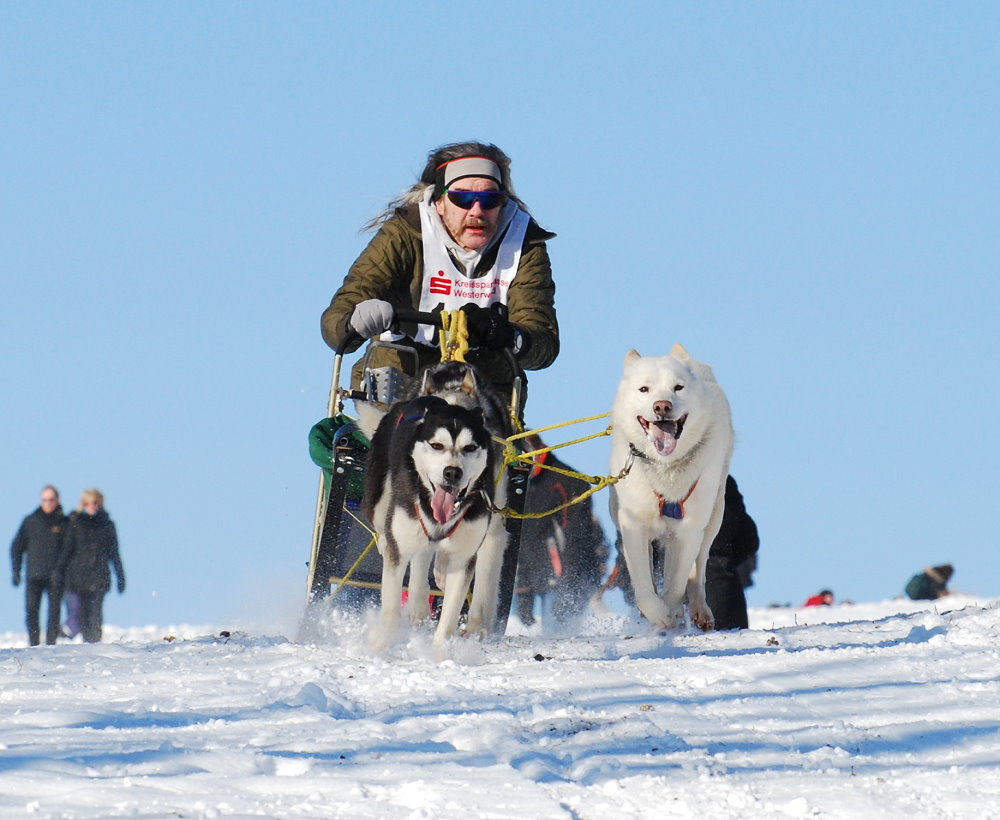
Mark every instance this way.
x=451 y=532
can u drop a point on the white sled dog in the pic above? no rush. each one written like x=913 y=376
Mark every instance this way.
x=672 y=420
x=429 y=490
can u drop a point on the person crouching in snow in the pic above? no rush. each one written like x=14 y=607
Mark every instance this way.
x=930 y=584
x=822 y=598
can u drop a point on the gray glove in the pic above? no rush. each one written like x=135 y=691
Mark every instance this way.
x=371 y=317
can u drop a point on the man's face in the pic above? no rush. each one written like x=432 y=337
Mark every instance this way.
x=49 y=501
x=474 y=228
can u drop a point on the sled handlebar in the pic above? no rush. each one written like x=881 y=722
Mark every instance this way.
x=401 y=315
x=421 y=318
x=418 y=317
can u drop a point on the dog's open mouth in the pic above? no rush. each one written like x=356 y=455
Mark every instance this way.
x=664 y=433
x=445 y=501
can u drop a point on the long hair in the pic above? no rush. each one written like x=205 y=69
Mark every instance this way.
x=429 y=178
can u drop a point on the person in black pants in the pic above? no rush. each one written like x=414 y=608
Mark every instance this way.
x=731 y=561
x=90 y=550
x=40 y=537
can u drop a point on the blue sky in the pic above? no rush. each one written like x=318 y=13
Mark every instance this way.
x=804 y=194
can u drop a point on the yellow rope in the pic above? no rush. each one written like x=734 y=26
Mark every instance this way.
x=539 y=430
x=454 y=343
x=605 y=481
x=454 y=335
x=346 y=580
x=513 y=456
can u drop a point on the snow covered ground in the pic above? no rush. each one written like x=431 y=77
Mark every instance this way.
x=877 y=710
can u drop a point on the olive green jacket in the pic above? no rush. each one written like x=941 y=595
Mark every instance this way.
x=392 y=268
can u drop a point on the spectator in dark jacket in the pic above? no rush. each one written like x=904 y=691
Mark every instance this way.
x=90 y=550
x=930 y=584
x=40 y=537
x=731 y=561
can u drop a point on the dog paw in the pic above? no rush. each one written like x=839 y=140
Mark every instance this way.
x=419 y=614
x=660 y=615
x=381 y=637
x=703 y=619
x=474 y=628
x=705 y=625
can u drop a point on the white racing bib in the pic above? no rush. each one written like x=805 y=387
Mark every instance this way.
x=445 y=285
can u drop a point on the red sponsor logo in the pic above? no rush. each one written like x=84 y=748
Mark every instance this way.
x=441 y=285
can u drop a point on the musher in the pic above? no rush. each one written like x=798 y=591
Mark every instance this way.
x=459 y=238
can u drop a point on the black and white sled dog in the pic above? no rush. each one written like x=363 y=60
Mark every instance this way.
x=430 y=487
x=672 y=419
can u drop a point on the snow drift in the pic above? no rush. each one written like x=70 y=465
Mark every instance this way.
x=888 y=710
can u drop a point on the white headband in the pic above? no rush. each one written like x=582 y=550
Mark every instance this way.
x=462 y=167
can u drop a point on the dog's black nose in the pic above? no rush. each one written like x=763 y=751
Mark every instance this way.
x=662 y=408
x=452 y=475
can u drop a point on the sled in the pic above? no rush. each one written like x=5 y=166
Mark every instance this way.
x=345 y=567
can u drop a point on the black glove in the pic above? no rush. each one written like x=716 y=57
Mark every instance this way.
x=121 y=585
x=17 y=578
x=488 y=327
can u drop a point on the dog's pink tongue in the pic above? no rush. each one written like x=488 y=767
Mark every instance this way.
x=663 y=441
x=443 y=504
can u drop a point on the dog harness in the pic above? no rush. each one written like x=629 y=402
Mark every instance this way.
x=668 y=509
x=674 y=509
x=423 y=526
x=416 y=409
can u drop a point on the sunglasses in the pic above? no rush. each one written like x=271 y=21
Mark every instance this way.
x=488 y=200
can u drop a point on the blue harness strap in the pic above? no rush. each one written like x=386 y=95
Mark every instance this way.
x=671 y=509
x=674 y=509
x=417 y=408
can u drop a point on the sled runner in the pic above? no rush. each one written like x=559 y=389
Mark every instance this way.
x=345 y=567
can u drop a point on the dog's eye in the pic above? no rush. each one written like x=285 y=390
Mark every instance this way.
x=437 y=445
x=678 y=388
x=470 y=448
x=644 y=389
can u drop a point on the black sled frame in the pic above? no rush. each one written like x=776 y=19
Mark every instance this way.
x=345 y=568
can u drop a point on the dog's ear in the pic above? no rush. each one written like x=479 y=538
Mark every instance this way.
x=469 y=383
x=631 y=356
x=678 y=352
